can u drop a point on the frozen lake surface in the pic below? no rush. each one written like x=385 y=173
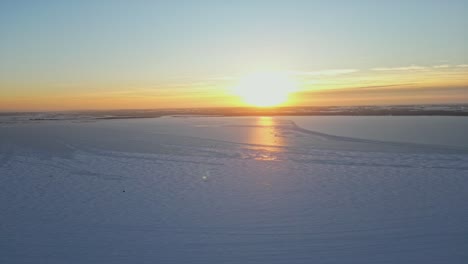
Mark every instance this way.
x=235 y=190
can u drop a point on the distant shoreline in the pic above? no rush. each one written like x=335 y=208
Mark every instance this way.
x=408 y=110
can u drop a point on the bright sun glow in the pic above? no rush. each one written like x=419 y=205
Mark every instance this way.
x=265 y=89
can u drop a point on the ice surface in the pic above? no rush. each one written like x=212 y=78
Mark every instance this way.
x=435 y=130
x=226 y=190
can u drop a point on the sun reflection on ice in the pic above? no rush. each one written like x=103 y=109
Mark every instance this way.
x=265 y=138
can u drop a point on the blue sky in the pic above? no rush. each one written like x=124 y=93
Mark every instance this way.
x=95 y=42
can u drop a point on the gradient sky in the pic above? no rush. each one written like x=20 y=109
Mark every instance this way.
x=98 y=54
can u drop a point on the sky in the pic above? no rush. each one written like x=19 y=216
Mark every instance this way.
x=68 y=55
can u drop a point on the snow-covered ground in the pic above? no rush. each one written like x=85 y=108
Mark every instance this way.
x=227 y=190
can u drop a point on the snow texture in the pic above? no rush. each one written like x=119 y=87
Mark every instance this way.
x=225 y=190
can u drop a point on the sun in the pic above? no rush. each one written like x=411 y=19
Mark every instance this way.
x=265 y=89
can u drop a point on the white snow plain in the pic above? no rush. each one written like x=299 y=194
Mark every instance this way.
x=226 y=190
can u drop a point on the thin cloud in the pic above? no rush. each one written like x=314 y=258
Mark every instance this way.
x=368 y=88
x=420 y=68
x=443 y=66
x=332 y=72
x=407 y=68
x=220 y=78
x=387 y=89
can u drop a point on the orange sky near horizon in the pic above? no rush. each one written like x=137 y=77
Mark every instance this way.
x=378 y=86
